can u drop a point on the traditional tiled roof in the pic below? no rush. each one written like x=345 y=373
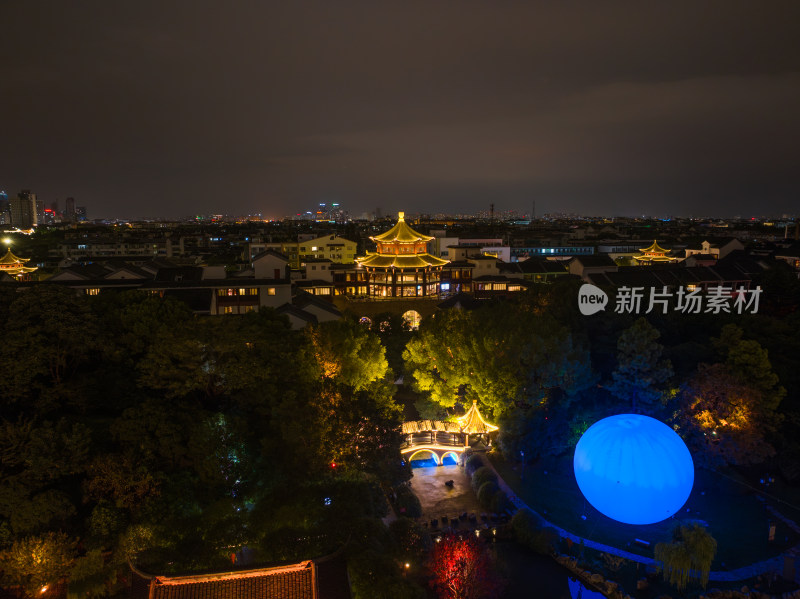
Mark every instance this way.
x=297 y=581
x=10 y=258
x=424 y=426
x=593 y=261
x=394 y=261
x=13 y=265
x=653 y=253
x=305 y=300
x=179 y=273
x=401 y=232
x=269 y=252
x=292 y=310
x=473 y=422
x=533 y=265
x=654 y=248
x=459 y=264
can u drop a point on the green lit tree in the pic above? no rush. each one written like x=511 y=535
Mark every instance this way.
x=501 y=355
x=749 y=362
x=465 y=353
x=641 y=371
x=690 y=553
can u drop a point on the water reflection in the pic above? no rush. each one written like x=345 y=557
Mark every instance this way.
x=578 y=591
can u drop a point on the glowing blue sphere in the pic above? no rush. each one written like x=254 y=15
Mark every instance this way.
x=634 y=469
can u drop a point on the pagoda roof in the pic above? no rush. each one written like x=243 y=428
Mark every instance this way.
x=423 y=426
x=10 y=258
x=401 y=233
x=401 y=261
x=653 y=249
x=473 y=422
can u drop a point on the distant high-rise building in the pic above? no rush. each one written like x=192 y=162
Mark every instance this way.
x=23 y=210
x=80 y=213
x=39 y=211
x=5 y=209
x=69 y=209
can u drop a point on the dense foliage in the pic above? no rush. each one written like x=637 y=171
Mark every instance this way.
x=130 y=428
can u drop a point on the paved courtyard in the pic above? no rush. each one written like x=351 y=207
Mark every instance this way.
x=439 y=500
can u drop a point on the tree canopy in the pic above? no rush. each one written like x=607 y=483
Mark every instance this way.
x=641 y=371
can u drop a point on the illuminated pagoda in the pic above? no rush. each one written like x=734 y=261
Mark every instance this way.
x=473 y=423
x=14 y=266
x=402 y=266
x=653 y=254
x=444 y=436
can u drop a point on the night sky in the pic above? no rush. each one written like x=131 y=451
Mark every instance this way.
x=175 y=108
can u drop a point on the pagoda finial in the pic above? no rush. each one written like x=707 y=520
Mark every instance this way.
x=401 y=216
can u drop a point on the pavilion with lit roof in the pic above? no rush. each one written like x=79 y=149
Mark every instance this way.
x=653 y=254
x=440 y=437
x=14 y=266
x=472 y=423
x=402 y=266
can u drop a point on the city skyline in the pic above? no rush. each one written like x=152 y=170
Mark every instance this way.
x=152 y=110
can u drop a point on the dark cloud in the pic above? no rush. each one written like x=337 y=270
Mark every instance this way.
x=172 y=108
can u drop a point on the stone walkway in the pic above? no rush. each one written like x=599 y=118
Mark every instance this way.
x=438 y=500
x=769 y=565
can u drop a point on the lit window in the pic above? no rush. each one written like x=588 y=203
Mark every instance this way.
x=271 y=291
x=227 y=310
x=231 y=292
x=93 y=291
x=323 y=291
x=242 y=291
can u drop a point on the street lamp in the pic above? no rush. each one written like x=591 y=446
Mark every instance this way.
x=522 y=455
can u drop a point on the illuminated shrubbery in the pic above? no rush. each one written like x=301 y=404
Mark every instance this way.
x=473 y=462
x=486 y=494
x=483 y=475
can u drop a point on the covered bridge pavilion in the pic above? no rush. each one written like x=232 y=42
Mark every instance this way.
x=441 y=438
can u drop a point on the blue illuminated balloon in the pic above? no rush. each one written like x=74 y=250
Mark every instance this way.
x=634 y=469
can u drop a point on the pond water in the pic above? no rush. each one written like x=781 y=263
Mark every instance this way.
x=529 y=574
